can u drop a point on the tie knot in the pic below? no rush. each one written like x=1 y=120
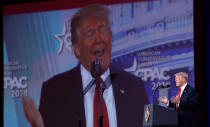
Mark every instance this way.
x=100 y=80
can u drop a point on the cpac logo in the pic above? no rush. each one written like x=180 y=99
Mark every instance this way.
x=15 y=82
x=153 y=73
x=146 y=73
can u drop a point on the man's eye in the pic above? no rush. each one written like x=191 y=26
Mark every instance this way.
x=103 y=28
x=89 y=33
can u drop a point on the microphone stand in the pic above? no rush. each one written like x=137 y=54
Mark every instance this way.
x=155 y=92
x=99 y=116
x=98 y=90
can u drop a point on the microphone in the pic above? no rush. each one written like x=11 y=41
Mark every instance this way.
x=163 y=86
x=96 y=68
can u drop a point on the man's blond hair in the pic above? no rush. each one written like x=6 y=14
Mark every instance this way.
x=184 y=75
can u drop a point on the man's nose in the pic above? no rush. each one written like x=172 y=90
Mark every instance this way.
x=98 y=37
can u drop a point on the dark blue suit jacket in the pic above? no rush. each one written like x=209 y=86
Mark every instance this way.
x=60 y=103
x=188 y=114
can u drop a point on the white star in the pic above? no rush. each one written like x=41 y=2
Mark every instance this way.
x=64 y=39
x=133 y=69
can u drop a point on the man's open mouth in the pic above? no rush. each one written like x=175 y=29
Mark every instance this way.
x=99 y=52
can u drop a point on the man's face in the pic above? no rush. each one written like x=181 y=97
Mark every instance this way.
x=180 y=81
x=94 y=42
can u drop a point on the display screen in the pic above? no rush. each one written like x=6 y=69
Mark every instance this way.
x=152 y=40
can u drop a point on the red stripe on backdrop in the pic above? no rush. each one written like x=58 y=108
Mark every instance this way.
x=55 y=5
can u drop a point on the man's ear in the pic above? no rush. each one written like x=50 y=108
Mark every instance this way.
x=76 y=49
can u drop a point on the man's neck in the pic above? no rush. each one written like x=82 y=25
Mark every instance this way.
x=89 y=69
x=86 y=75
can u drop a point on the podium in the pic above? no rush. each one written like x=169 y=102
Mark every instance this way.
x=159 y=116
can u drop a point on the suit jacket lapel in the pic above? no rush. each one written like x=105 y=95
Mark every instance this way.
x=78 y=86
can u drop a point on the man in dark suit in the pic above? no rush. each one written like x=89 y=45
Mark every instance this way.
x=186 y=102
x=60 y=99
x=125 y=97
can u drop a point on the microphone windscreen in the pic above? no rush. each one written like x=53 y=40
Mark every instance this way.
x=95 y=68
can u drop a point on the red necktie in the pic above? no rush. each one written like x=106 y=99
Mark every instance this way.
x=105 y=114
x=178 y=98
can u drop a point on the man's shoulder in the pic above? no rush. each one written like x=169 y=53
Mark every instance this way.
x=189 y=87
x=123 y=73
x=63 y=77
x=125 y=77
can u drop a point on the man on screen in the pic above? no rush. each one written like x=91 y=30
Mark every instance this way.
x=186 y=102
x=124 y=98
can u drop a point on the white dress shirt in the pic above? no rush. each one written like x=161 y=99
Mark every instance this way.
x=89 y=99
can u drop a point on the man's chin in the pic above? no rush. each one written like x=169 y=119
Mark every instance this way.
x=100 y=57
x=103 y=61
x=104 y=66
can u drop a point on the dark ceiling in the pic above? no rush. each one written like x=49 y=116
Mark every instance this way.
x=9 y=2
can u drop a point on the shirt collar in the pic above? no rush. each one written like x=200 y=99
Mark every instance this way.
x=183 y=87
x=87 y=77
